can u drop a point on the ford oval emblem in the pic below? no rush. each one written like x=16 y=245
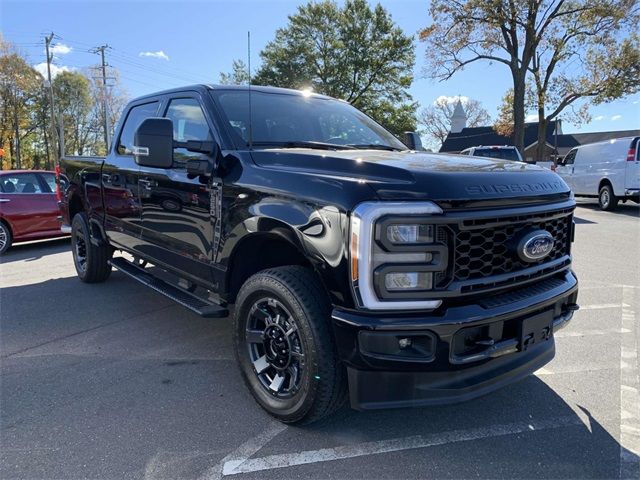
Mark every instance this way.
x=535 y=245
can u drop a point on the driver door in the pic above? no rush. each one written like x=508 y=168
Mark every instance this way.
x=177 y=225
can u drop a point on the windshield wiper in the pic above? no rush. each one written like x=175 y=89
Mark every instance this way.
x=376 y=146
x=303 y=144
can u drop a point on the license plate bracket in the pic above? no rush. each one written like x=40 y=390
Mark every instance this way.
x=536 y=329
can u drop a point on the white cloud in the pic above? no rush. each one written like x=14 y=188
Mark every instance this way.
x=60 y=49
x=532 y=117
x=55 y=70
x=598 y=118
x=159 y=54
x=444 y=100
x=616 y=117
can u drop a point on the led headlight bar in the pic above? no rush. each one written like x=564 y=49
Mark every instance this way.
x=405 y=267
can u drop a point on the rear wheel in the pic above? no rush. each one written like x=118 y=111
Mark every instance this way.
x=284 y=346
x=5 y=238
x=91 y=261
x=607 y=200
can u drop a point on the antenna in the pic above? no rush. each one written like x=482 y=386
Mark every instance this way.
x=249 y=69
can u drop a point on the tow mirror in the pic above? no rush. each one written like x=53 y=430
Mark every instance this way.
x=153 y=143
x=412 y=140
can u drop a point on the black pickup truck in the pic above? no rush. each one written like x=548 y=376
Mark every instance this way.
x=355 y=266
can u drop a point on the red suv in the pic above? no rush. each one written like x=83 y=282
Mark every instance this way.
x=28 y=206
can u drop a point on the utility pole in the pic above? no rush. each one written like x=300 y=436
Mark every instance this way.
x=105 y=110
x=54 y=130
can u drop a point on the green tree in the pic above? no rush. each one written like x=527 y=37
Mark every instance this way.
x=74 y=104
x=239 y=74
x=554 y=36
x=353 y=52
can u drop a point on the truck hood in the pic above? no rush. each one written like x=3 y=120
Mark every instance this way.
x=420 y=176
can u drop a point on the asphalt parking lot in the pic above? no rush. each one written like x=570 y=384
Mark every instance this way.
x=115 y=381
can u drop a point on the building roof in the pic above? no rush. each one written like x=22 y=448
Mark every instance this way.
x=475 y=136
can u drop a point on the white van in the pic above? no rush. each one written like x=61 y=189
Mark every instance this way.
x=608 y=170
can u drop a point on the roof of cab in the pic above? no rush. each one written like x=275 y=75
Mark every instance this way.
x=254 y=88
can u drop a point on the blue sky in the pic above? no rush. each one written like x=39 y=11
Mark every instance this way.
x=192 y=41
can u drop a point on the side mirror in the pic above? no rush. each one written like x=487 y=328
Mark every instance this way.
x=412 y=140
x=153 y=143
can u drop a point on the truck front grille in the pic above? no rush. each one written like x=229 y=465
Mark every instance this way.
x=482 y=251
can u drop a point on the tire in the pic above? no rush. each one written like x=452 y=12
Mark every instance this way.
x=91 y=261
x=606 y=199
x=5 y=237
x=288 y=303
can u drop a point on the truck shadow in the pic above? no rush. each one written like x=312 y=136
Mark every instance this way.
x=118 y=344
x=525 y=427
x=31 y=251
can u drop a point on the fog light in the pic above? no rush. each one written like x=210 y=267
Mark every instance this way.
x=404 y=343
x=397 y=281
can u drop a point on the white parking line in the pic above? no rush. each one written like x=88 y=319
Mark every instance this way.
x=601 y=306
x=246 y=465
x=629 y=396
x=588 y=333
x=244 y=451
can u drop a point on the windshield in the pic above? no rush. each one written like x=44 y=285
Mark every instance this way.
x=499 y=153
x=287 y=120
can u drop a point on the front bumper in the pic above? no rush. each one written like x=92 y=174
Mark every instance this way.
x=458 y=352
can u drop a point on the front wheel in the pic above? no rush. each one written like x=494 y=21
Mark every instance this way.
x=91 y=261
x=284 y=345
x=5 y=237
x=607 y=200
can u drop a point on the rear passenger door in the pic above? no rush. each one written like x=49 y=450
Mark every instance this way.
x=177 y=227
x=27 y=204
x=123 y=210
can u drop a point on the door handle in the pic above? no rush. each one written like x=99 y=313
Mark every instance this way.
x=4 y=200
x=147 y=184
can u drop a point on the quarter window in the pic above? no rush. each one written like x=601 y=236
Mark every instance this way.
x=189 y=123
x=135 y=117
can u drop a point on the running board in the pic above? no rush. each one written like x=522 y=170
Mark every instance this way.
x=192 y=302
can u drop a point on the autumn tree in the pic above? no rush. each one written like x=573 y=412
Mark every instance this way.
x=19 y=88
x=435 y=119
x=557 y=35
x=353 y=52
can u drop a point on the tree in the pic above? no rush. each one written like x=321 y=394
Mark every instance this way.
x=521 y=33
x=436 y=118
x=352 y=52
x=239 y=74
x=19 y=88
x=504 y=121
x=74 y=103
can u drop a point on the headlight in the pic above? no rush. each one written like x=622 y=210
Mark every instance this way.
x=409 y=234
x=394 y=255
x=407 y=281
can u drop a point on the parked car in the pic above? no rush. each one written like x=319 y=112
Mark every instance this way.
x=500 y=152
x=28 y=207
x=354 y=263
x=608 y=170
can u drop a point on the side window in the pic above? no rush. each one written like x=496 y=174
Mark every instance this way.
x=569 y=159
x=189 y=123
x=134 y=118
x=21 y=183
x=50 y=180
